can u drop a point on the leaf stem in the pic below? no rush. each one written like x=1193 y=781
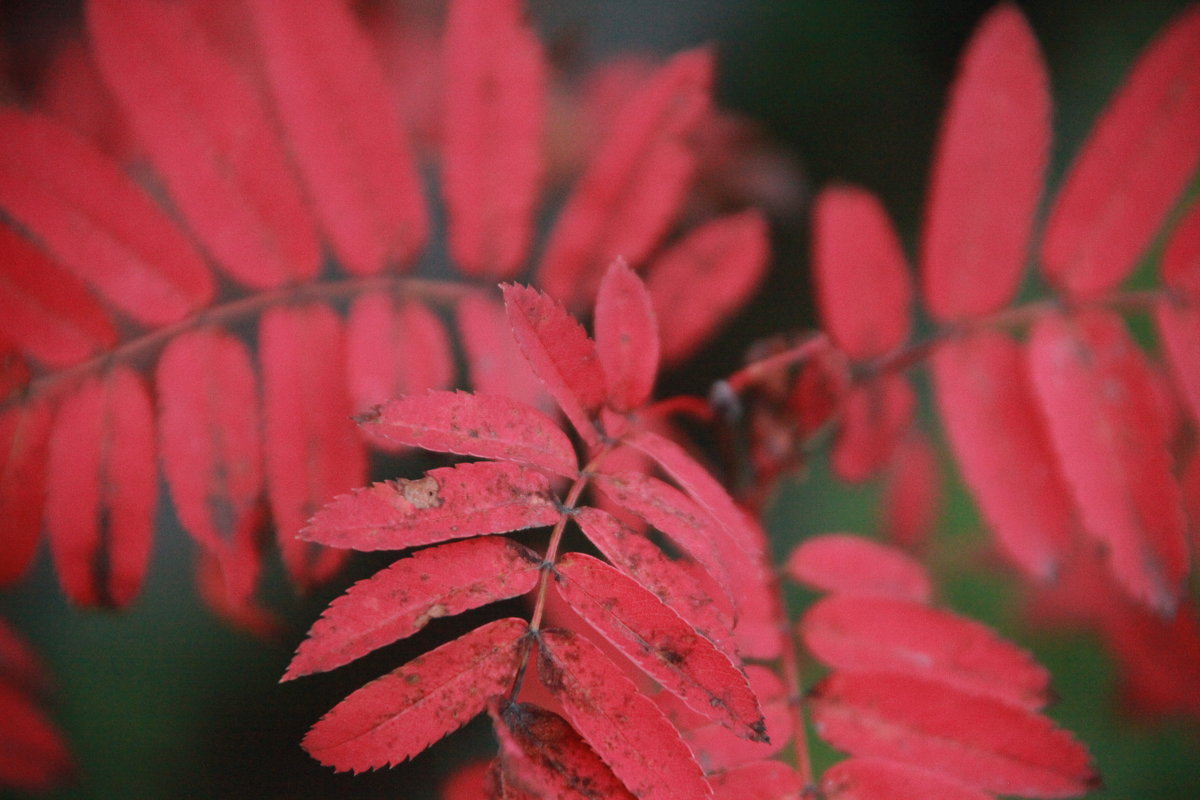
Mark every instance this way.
x=238 y=311
x=543 y=588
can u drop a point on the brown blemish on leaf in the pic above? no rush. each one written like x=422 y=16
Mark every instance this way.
x=422 y=493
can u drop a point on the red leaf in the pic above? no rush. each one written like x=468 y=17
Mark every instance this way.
x=656 y=639
x=728 y=257
x=494 y=359
x=209 y=435
x=1096 y=390
x=640 y=559
x=97 y=222
x=635 y=184
x=72 y=91
x=988 y=172
x=734 y=560
x=880 y=779
x=1159 y=659
x=492 y=124
x=1000 y=440
x=849 y=564
x=48 y=314
x=983 y=742
x=401 y=600
x=101 y=489
x=312 y=451
x=24 y=434
x=20 y=666
x=1179 y=318
x=878 y=633
x=207 y=133
x=468 y=781
x=765 y=780
x=686 y=524
x=33 y=756
x=560 y=353
x=393 y=718
x=226 y=579
x=861 y=273
x=626 y=338
x=702 y=487
x=912 y=493
x=875 y=417
x=487 y=426
x=470 y=499
x=344 y=131
x=543 y=753
x=209 y=423
x=622 y=726
x=1139 y=158
x=394 y=349
x=718 y=748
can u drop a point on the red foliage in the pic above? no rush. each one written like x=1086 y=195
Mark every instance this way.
x=274 y=141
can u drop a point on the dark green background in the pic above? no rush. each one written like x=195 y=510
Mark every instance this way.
x=165 y=702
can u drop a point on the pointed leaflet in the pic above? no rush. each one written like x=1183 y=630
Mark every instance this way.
x=716 y=747
x=634 y=186
x=847 y=564
x=344 y=131
x=640 y=559
x=1139 y=158
x=1095 y=388
x=393 y=349
x=983 y=742
x=881 y=779
x=701 y=486
x=686 y=524
x=97 y=222
x=207 y=133
x=24 y=433
x=1179 y=318
x=987 y=172
x=312 y=450
x=470 y=499
x=393 y=718
x=487 y=426
x=101 y=489
x=879 y=633
x=400 y=600
x=560 y=353
x=494 y=360
x=626 y=337
x=493 y=110
x=658 y=640
x=875 y=416
x=542 y=752
x=33 y=756
x=912 y=493
x=860 y=272
x=48 y=314
x=622 y=726
x=728 y=257
x=1003 y=448
x=765 y=780
x=209 y=423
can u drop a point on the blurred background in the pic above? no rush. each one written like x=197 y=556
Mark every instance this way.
x=165 y=701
